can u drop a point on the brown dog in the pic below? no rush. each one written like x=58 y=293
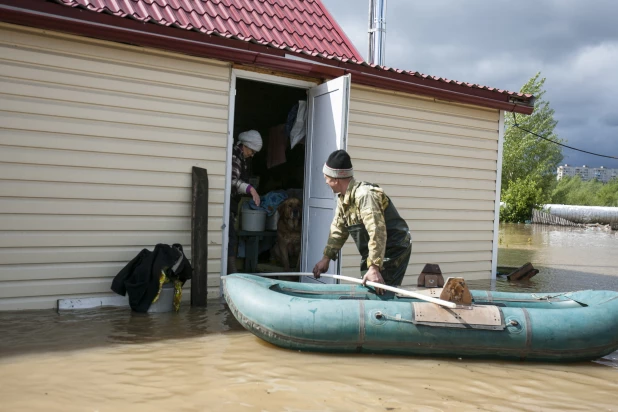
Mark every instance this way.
x=287 y=248
x=455 y=290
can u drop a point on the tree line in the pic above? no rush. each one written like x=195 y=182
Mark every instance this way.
x=529 y=165
x=574 y=191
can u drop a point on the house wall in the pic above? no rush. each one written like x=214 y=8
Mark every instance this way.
x=437 y=161
x=97 y=142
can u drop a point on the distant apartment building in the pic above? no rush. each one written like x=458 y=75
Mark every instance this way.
x=601 y=174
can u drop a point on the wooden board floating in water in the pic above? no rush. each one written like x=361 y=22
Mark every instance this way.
x=525 y=272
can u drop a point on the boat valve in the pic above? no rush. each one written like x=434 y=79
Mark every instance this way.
x=513 y=322
x=379 y=315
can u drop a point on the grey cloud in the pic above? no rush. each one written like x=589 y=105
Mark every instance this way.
x=502 y=44
x=610 y=119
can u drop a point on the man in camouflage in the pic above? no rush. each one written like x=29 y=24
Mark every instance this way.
x=369 y=216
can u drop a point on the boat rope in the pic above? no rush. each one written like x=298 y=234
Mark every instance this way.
x=549 y=296
x=568 y=295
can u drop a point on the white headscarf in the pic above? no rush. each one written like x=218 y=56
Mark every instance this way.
x=251 y=139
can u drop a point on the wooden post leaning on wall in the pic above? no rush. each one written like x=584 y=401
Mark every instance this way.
x=199 y=237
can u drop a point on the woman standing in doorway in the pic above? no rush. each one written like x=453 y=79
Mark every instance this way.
x=249 y=143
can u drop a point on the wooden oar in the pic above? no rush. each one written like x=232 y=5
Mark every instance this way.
x=375 y=285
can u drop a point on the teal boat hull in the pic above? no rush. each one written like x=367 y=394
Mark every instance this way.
x=561 y=327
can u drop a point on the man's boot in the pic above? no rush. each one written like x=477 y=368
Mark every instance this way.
x=231 y=265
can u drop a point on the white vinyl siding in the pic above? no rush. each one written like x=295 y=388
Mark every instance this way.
x=97 y=142
x=438 y=163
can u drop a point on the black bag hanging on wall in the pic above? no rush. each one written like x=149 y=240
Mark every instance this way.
x=140 y=277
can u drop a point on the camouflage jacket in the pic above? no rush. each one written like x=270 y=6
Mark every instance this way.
x=361 y=203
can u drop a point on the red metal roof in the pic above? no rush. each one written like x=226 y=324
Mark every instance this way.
x=303 y=26
x=300 y=26
x=196 y=37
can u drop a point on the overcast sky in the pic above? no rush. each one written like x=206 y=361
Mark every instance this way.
x=499 y=43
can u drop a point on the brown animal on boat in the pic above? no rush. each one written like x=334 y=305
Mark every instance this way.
x=455 y=290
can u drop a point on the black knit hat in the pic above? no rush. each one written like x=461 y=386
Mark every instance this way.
x=338 y=165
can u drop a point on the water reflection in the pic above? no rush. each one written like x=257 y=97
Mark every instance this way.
x=202 y=359
x=42 y=331
x=567 y=258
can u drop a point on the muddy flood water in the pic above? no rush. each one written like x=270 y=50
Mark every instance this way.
x=202 y=360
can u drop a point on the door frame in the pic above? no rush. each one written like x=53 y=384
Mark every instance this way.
x=494 y=251
x=259 y=77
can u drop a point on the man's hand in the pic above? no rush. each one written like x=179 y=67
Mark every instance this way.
x=374 y=275
x=321 y=267
x=256 y=197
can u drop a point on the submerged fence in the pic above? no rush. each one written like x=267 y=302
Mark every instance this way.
x=543 y=218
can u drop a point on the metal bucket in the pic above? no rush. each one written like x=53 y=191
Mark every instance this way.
x=166 y=300
x=253 y=220
x=271 y=222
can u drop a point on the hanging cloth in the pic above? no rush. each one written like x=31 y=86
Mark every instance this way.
x=299 y=130
x=277 y=143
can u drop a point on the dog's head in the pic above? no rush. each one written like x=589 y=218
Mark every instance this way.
x=457 y=291
x=291 y=211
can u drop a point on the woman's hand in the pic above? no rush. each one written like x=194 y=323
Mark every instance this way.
x=255 y=195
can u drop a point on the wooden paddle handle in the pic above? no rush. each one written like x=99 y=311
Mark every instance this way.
x=396 y=290
x=375 y=285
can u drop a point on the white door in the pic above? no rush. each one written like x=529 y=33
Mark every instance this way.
x=327 y=131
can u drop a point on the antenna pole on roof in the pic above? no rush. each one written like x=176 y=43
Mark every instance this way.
x=377 y=31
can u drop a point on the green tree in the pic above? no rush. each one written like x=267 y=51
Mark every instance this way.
x=521 y=196
x=574 y=191
x=563 y=191
x=529 y=162
x=608 y=194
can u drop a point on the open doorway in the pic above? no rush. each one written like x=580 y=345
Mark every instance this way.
x=277 y=172
x=295 y=146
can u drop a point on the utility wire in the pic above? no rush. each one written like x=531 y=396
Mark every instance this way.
x=560 y=144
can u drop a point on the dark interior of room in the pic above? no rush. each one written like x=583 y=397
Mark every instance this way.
x=261 y=106
x=265 y=107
